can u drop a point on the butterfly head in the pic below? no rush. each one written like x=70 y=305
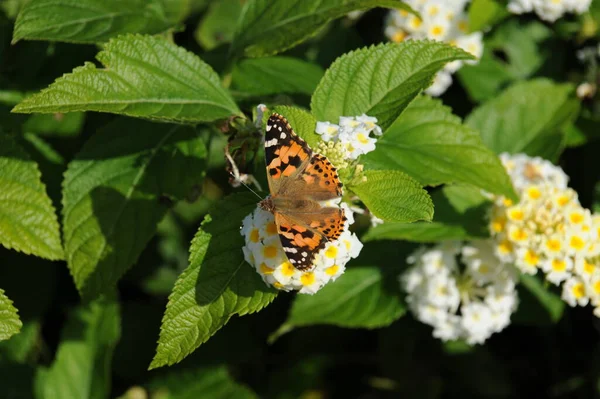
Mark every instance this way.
x=267 y=205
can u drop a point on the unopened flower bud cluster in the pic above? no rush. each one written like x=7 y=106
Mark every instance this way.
x=349 y=139
x=549 y=10
x=441 y=20
x=548 y=230
x=470 y=299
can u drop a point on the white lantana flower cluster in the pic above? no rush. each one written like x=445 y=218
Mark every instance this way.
x=549 y=10
x=469 y=301
x=263 y=250
x=352 y=135
x=549 y=230
x=442 y=20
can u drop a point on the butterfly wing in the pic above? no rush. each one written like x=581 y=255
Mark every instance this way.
x=286 y=154
x=303 y=235
x=295 y=172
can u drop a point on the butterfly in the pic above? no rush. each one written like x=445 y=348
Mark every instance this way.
x=300 y=181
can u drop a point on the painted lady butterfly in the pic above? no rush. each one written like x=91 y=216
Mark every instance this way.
x=300 y=181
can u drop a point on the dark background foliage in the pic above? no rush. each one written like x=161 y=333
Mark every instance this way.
x=537 y=355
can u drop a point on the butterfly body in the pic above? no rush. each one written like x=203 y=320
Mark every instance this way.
x=301 y=183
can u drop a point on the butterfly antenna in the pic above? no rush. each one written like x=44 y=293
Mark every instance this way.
x=247 y=186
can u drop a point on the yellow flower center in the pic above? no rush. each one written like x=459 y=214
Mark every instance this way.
x=437 y=30
x=287 y=269
x=254 y=236
x=596 y=287
x=562 y=200
x=507 y=202
x=332 y=270
x=531 y=258
x=559 y=265
x=516 y=214
x=362 y=138
x=463 y=26
x=577 y=243
x=578 y=290
x=553 y=245
x=588 y=267
x=272 y=228
x=399 y=36
x=270 y=251
x=505 y=247
x=416 y=22
x=518 y=235
x=498 y=224
x=308 y=279
x=576 y=218
x=264 y=269
x=331 y=252
x=534 y=193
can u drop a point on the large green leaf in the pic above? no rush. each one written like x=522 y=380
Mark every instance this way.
x=275 y=75
x=485 y=13
x=218 y=23
x=82 y=366
x=117 y=190
x=271 y=26
x=89 y=21
x=10 y=324
x=217 y=284
x=513 y=51
x=381 y=80
x=460 y=213
x=144 y=76
x=394 y=196
x=214 y=383
x=364 y=297
x=28 y=222
x=431 y=144
x=527 y=117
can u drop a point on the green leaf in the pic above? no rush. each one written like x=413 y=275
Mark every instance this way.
x=303 y=123
x=116 y=191
x=364 y=297
x=461 y=213
x=81 y=368
x=270 y=26
x=538 y=305
x=89 y=21
x=144 y=76
x=431 y=144
x=394 y=196
x=20 y=347
x=217 y=284
x=214 y=383
x=485 y=13
x=527 y=117
x=275 y=75
x=61 y=125
x=218 y=23
x=381 y=80
x=28 y=221
x=513 y=51
x=10 y=324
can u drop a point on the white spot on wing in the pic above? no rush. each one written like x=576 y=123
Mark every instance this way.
x=271 y=143
x=269 y=127
x=282 y=135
